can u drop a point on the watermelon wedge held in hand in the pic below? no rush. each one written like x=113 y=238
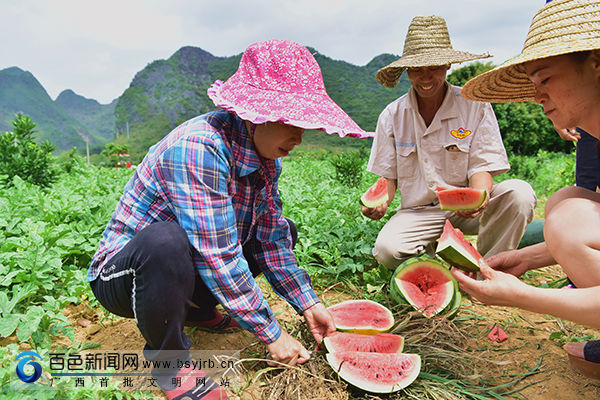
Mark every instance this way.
x=460 y=198
x=361 y=316
x=376 y=372
x=456 y=250
x=376 y=195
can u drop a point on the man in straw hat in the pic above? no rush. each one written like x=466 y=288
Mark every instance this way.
x=202 y=215
x=559 y=68
x=433 y=137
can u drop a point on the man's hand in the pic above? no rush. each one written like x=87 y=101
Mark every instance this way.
x=374 y=213
x=320 y=322
x=287 y=350
x=474 y=213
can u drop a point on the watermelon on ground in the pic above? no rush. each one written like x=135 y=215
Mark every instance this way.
x=376 y=195
x=376 y=372
x=456 y=250
x=378 y=343
x=361 y=316
x=460 y=198
x=454 y=305
x=424 y=283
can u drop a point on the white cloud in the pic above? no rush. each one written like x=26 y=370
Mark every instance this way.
x=96 y=48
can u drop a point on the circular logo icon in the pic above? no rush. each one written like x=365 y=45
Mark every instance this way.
x=27 y=358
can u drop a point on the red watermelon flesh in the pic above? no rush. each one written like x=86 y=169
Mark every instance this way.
x=379 y=343
x=376 y=372
x=427 y=286
x=376 y=195
x=456 y=250
x=460 y=198
x=361 y=316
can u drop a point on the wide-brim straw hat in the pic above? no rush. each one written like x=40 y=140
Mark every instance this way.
x=560 y=27
x=427 y=44
x=280 y=81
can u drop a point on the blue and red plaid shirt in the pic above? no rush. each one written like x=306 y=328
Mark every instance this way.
x=206 y=176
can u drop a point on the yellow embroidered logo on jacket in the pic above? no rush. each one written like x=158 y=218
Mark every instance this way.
x=460 y=133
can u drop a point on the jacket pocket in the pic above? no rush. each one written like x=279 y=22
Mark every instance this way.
x=406 y=158
x=456 y=162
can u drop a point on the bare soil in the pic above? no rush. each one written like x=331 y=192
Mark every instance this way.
x=528 y=344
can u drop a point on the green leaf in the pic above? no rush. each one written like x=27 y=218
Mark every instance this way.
x=8 y=324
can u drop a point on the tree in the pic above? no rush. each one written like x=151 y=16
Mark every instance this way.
x=21 y=156
x=113 y=153
x=524 y=127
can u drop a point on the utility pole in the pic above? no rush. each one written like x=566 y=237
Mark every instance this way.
x=127 y=125
x=87 y=150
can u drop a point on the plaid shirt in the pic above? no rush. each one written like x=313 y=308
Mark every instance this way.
x=206 y=176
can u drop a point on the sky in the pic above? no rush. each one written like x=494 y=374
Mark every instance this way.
x=95 y=48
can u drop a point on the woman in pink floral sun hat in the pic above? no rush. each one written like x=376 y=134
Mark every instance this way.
x=202 y=216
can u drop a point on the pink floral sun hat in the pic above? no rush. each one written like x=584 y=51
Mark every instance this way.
x=280 y=81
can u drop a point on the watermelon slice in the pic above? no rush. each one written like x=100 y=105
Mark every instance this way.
x=376 y=372
x=361 y=316
x=460 y=198
x=379 y=343
x=456 y=250
x=424 y=283
x=376 y=195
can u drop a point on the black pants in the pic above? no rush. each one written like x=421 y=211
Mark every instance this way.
x=154 y=280
x=587 y=164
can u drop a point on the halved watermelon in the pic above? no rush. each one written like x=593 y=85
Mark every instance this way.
x=376 y=194
x=424 y=283
x=376 y=372
x=379 y=343
x=456 y=250
x=454 y=305
x=460 y=198
x=361 y=316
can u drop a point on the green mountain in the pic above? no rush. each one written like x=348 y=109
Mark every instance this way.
x=168 y=92
x=21 y=92
x=99 y=119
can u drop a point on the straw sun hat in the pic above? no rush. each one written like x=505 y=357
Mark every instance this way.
x=427 y=44
x=560 y=27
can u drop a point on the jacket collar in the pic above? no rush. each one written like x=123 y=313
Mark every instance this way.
x=446 y=110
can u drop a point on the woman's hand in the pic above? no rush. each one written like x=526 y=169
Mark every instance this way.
x=287 y=350
x=511 y=261
x=497 y=288
x=320 y=322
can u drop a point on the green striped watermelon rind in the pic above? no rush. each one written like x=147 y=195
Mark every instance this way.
x=456 y=250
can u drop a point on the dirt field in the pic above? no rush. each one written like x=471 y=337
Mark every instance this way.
x=529 y=343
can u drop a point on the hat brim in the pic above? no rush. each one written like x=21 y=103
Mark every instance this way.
x=304 y=110
x=390 y=74
x=508 y=83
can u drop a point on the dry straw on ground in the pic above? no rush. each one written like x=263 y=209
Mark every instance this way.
x=449 y=371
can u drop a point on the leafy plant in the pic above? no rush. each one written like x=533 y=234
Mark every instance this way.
x=349 y=166
x=21 y=156
x=524 y=127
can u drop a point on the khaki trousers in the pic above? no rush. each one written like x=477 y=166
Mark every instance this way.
x=414 y=231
